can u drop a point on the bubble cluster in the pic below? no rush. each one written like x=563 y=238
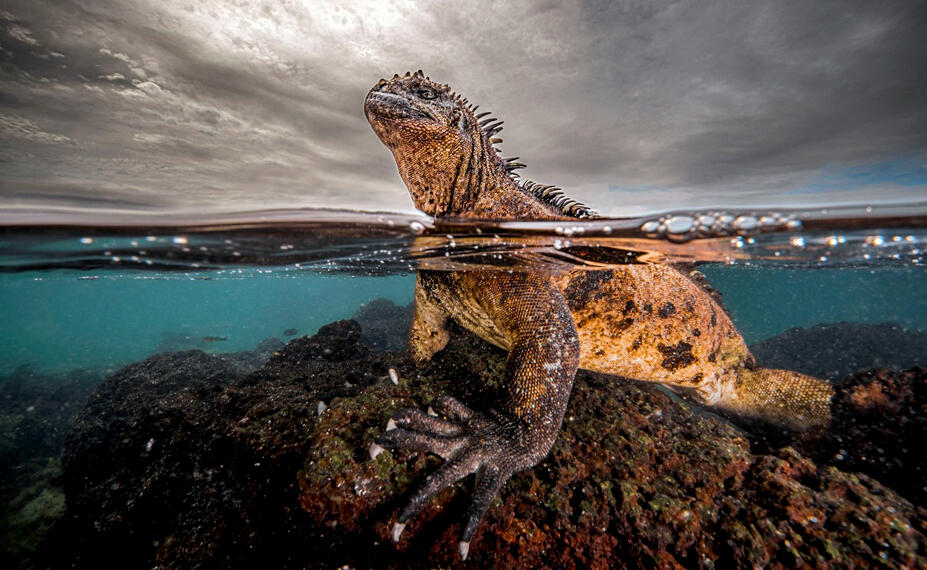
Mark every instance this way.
x=684 y=227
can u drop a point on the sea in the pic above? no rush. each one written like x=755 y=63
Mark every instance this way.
x=85 y=294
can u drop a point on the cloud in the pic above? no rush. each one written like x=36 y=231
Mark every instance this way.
x=222 y=105
x=149 y=87
x=22 y=128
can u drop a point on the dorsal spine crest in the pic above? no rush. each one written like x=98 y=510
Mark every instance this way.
x=555 y=196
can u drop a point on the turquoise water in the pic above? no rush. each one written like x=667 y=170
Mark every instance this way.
x=765 y=301
x=79 y=295
x=57 y=320
x=60 y=320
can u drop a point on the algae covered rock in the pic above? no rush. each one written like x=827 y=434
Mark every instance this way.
x=36 y=413
x=635 y=480
x=878 y=427
x=273 y=469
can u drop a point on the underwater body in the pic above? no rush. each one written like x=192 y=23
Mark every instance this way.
x=182 y=391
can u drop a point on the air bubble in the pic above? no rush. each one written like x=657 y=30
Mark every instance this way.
x=679 y=224
x=416 y=228
x=745 y=223
x=651 y=227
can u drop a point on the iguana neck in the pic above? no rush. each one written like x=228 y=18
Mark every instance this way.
x=468 y=183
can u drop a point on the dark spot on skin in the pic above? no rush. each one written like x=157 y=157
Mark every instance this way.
x=586 y=287
x=636 y=344
x=696 y=332
x=690 y=307
x=676 y=356
x=666 y=310
x=624 y=324
x=713 y=357
x=648 y=308
x=714 y=318
x=698 y=378
x=628 y=307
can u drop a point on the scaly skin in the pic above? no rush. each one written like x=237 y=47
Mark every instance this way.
x=647 y=322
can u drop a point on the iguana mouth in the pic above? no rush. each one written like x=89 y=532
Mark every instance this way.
x=392 y=106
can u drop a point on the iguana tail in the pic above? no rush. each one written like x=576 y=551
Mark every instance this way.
x=783 y=397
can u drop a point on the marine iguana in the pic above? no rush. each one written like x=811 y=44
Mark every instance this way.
x=645 y=321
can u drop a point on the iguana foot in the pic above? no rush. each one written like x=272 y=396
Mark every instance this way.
x=469 y=442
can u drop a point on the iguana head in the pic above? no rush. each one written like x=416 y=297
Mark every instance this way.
x=435 y=138
x=446 y=155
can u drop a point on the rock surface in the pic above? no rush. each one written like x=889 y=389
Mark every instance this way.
x=835 y=350
x=384 y=324
x=182 y=460
x=36 y=414
x=878 y=427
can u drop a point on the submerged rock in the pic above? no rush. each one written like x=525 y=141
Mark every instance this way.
x=878 y=427
x=250 y=360
x=181 y=461
x=834 y=350
x=385 y=325
x=36 y=414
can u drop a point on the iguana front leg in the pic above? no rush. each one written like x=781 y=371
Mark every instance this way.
x=521 y=312
x=429 y=332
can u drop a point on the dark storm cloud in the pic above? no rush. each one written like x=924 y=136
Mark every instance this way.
x=215 y=105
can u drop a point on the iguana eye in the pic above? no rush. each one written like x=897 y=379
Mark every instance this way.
x=426 y=93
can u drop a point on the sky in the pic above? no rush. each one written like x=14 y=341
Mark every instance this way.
x=630 y=106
